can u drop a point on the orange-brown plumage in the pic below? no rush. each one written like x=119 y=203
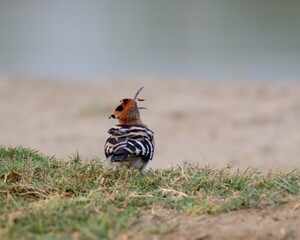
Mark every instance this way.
x=131 y=143
x=128 y=113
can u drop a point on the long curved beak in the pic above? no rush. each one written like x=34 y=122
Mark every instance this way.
x=138 y=92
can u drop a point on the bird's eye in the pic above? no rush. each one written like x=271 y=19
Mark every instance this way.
x=119 y=108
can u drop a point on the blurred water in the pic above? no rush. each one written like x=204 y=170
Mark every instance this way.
x=214 y=39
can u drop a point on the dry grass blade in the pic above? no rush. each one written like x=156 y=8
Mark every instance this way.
x=183 y=173
x=270 y=197
x=172 y=192
x=140 y=195
x=91 y=200
x=12 y=177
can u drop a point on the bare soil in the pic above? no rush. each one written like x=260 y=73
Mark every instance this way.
x=282 y=223
x=209 y=123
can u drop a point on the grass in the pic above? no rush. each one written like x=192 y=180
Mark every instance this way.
x=42 y=197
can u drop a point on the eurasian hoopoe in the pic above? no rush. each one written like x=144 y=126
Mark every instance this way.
x=131 y=143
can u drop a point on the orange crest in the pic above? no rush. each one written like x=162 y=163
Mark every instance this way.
x=128 y=112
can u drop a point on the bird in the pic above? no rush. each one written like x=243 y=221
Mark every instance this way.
x=130 y=143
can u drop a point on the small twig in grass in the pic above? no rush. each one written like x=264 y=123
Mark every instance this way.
x=285 y=186
x=172 y=191
x=29 y=190
x=270 y=197
x=34 y=193
x=139 y=196
x=9 y=197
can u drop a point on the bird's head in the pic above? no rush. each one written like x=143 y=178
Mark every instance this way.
x=128 y=112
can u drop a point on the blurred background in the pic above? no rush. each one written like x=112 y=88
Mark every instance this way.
x=221 y=78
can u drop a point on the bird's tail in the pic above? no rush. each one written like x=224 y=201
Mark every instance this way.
x=119 y=156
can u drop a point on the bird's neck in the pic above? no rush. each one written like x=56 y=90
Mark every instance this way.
x=131 y=117
x=127 y=121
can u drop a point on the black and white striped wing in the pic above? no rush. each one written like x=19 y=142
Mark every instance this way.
x=129 y=140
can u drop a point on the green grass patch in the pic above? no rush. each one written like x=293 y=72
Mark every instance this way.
x=42 y=197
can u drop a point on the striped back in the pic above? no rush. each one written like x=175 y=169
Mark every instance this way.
x=128 y=140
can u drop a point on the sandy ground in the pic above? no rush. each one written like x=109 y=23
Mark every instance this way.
x=267 y=224
x=209 y=123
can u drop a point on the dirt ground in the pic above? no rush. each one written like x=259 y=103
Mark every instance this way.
x=209 y=123
x=266 y=224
